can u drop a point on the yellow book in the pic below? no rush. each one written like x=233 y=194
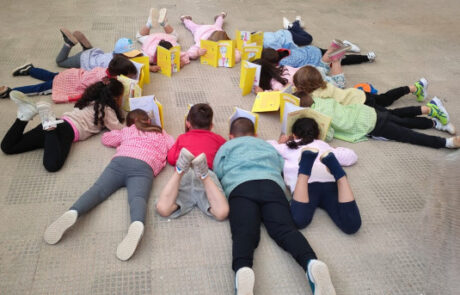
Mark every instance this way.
x=168 y=60
x=285 y=98
x=267 y=101
x=249 y=76
x=131 y=89
x=251 y=52
x=218 y=54
x=151 y=106
x=211 y=56
x=245 y=37
x=293 y=113
x=240 y=113
x=144 y=73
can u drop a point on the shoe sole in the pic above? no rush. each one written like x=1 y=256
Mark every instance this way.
x=440 y=105
x=162 y=16
x=313 y=150
x=341 y=50
x=245 y=287
x=56 y=230
x=69 y=35
x=201 y=157
x=153 y=17
x=128 y=246
x=21 y=98
x=18 y=68
x=321 y=278
x=84 y=42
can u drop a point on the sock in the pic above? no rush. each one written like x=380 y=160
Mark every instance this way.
x=306 y=162
x=149 y=23
x=334 y=166
x=450 y=143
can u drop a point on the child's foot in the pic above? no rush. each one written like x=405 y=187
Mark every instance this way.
x=336 y=44
x=84 y=42
x=162 y=17
x=184 y=17
x=307 y=158
x=435 y=112
x=354 y=47
x=299 y=19
x=436 y=101
x=27 y=109
x=128 y=246
x=371 y=56
x=328 y=158
x=5 y=91
x=453 y=142
x=22 y=70
x=244 y=281
x=286 y=23
x=223 y=14
x=319 y=278
x=200 y=166
x=448 y=127
x=49 y=121
x=421 y=92
x=55 y=230
x=69 y=39
x=184 y=161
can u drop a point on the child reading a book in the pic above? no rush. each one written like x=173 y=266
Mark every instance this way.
x=141 y=155
x=186 y=188
x=206 y=32
x=168 y=39
x=250 y=172
x=98 y=108
x=69 y=85
x=310 y=182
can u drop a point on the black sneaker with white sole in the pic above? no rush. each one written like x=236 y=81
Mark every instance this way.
x=22 y=70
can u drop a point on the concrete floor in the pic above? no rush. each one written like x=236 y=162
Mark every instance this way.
x=407 y=195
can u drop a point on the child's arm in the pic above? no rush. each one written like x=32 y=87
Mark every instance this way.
x=184 y=59
x=195 y=52
x=111 y=121
x=219 y=162
x=173 y=153
x=112 y=138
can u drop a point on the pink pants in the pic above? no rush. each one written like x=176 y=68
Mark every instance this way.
x=193 y=27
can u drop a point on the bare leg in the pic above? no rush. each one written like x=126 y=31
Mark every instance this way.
x=344 y=189
x=168 y=29
x=144 y=31
x=166 y=204
x=217 y=200
x=336 y=68
x=301 y=189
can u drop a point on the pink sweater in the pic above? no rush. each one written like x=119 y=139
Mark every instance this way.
x=150 y=147
x=345 y=156
x=151 y=43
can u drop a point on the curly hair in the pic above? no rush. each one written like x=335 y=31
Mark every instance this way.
x=100 y=95
x=306 y=130
x=268 y=72
x=308 y=79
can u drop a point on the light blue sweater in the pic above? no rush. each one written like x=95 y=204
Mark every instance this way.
x=247 y=158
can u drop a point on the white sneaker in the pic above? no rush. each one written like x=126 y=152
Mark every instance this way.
x=244 y=281
x=55 y=230
x=371 y=56
x=46 y=114
x=27 y=109
x=449 y=127
x=354 y=47
x=286 y=23
x=129 y=244
x=153 y=16
x=162 y=16
x=319 y=277
x=440 y=105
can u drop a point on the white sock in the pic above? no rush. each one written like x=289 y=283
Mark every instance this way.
x=450 y=143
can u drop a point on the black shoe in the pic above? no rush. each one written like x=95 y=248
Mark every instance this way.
x=22 y=70
x=69 y=39
x=5 y=92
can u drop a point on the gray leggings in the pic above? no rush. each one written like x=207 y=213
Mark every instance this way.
x=135 y=174
x=64 y=61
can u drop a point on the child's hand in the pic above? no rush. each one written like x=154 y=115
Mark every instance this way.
x=201 y=51
x=283 y=138
x=154 y=68
x=257 y=89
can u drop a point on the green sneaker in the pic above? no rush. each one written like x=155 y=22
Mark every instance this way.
x=421 y=91
x=435 y=112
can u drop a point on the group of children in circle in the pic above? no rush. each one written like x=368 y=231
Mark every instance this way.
x=244 y=178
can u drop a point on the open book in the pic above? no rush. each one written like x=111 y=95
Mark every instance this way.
x=218 y=54
x=292 y=113
x=131 y=89
x=251 y=52
x=151 y=106
x=143 y=72
x=240 y=113
x=168 y=60
x=245 y=37
x=249 y=77
x=269 y=101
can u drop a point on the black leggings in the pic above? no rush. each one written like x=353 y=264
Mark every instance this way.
x=257 y=201
x=350 y=59
x=56 y=143
x=385 y=99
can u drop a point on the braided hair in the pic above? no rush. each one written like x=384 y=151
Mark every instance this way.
x=306 y=130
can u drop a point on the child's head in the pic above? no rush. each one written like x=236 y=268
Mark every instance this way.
x=142 y=121
x=305 y=99
x=120 y=65
x=268 y=72
x=218 y=36
x=200 y=117
x=242 y=127
x=165 y=44
x=125 y=46
x=274 y=56
x=308 y=79
x=104 y=93
x=304 y=131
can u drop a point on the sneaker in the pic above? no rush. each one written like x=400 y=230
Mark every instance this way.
x=200 y=166
x=354 y=47
x=55 y=230
x=299 y=19
x=435 y=112
x=184 y=17
x=337 y=54
x=22 y=70
x=47 y=116
x=184 y=161
x=436 y=101
x=449 y=127
x=421 y=92
x=337 y=43
x=286 y=23
x=27 y=109
x=244 y=281
x=84 y=42
x=128 y=246
x=5 y=91
x=69 y=39
x=371 y=56
x=162 y=17
x=319 y=278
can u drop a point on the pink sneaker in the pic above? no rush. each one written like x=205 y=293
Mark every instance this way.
x=339 y=53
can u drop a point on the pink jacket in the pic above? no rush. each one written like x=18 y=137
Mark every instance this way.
x=149 y=47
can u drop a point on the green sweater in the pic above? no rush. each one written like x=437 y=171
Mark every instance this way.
x=247 y=158
x=350 y=122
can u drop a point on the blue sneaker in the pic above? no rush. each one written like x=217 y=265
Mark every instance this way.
x=436 y=101
x=244 y=281
x=319 y=278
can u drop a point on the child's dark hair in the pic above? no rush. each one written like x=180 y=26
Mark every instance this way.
x=120 y=65
x=308 y=79
x=306 y=130
x=141 y=119
x=270 y=55
x=242 y=127
x=268 y=72
x=218 y=36
x=165 y=44
x=102 y=94
x=305 y=99
x=200 y=116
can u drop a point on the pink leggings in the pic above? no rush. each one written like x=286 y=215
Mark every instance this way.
x=193 y=27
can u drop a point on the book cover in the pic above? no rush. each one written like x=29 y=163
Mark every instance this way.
x=240 y=113
x=287 y=98
x=218 y=54
x=211 y=56
x=168 y=60
x=251 y=52
x=151 y=106
x=266 y=101
x=131 y=89
x=144 y=74
x=324 y=122
x=249 y=76
x=246 y=37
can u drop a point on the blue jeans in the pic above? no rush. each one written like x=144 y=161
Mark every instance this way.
x=299 y=35
x=41 y=88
